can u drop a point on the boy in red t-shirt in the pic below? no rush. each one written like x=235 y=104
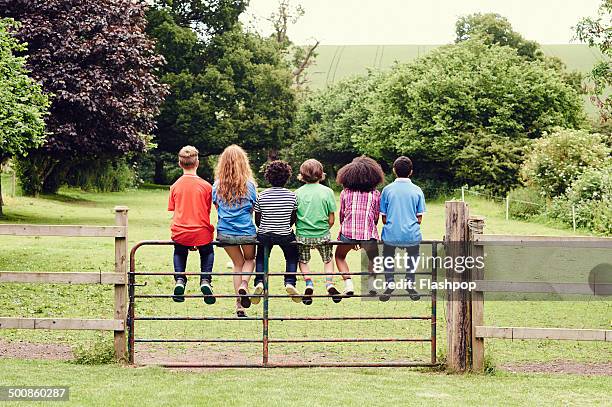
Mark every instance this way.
x=191 y=200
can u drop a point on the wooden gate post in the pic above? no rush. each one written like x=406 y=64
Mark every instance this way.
x=121 y=253
x=458 y=315
x=476 y=225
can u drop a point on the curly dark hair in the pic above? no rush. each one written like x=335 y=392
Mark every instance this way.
x=362 y=174
x=277 y=173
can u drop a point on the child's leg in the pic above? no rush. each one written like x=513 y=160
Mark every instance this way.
x=207 y=259
x=325 y=250
x=235 y=254
x=180 y=262
x=413 y=258
x=290 y=251
x=248 y=253
x=389 y=251
x=304 y=259
x=341 y=252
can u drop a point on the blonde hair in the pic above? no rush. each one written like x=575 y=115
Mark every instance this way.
x=233 y=174
x=311 y=171
x=188 y=157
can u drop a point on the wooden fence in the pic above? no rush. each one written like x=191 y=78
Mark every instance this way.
x=118 y=279
x=465 y=309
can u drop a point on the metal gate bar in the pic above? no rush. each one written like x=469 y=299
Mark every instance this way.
x=265 y=339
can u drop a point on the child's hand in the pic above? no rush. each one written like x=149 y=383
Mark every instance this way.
x=356 y=247
x=193 y=248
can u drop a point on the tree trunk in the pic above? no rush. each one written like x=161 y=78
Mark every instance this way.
x=160 y=175
x=1 y=201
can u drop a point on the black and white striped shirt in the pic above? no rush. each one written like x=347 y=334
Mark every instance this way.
x=276 y=205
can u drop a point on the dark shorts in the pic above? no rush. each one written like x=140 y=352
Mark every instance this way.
x=370 y=246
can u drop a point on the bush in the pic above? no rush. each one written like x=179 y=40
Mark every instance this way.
x=591 y=196
x=102 y=176
x=526 y=202
x=557 y=159
x=100 y=352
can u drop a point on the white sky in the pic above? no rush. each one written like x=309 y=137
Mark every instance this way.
x=348 y=22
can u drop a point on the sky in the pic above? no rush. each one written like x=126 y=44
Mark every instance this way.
x=357 y=22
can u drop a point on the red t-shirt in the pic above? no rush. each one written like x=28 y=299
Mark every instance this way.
x=190 y=199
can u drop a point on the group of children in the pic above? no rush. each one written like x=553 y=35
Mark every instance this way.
x=311 y=208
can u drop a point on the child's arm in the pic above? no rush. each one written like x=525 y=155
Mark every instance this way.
x=331 y=219
x=384 y=219
x=257 y=218
x=293 y=217
x=419 y=219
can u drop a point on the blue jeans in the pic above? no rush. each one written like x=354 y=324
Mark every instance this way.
x=207 y=258
x=413 y=254
x=290 y=251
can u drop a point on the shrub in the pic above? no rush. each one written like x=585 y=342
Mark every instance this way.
x=100 y=352
x=526 y=202
x=102 y=176
x=591 y=196
x=557 y=159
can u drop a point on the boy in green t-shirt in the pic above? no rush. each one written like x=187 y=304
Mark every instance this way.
x=315 y=215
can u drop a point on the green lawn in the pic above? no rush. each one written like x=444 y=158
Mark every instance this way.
x=149 y=220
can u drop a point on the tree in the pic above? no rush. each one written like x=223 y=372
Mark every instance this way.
x=328 y=121
x=559 y=158
x=23 y=105
x=96 y=61
x=231 y=87
x=597 y=32
x=432 y=108
x=300 y=57
x=492 y=28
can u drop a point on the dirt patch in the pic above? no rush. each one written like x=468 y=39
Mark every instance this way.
x=40 y=351
x=561 y=366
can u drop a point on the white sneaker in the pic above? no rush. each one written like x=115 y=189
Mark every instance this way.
x=293 y=292
x=349 y=290
x=259 y=288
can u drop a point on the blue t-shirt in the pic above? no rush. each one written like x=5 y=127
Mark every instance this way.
x=401 y=201
x=237 y=219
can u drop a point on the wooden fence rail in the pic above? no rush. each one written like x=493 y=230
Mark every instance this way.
x=465 y=309
x=117 y=278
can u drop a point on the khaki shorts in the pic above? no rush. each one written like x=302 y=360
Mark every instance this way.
x=319 y=243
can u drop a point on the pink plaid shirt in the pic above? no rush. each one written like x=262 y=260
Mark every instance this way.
x=359 y=213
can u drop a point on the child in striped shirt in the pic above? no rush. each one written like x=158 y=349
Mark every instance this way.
x=275 y=214
x=359 y=213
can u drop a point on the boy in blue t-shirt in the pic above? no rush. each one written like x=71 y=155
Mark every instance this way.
x=402 y=206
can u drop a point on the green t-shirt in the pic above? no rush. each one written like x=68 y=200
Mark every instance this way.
x=315 y=203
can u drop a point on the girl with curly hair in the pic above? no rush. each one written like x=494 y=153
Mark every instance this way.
x=359 y=213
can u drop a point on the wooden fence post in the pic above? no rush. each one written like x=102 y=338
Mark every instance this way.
x=458 y=315
x=476 y=225
x=121 y=253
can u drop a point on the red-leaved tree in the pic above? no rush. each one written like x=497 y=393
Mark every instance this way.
x=96 y=61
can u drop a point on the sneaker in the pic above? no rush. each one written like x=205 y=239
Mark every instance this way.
x=179 y=292
x=386 y=295
x=414 y=296
x=245 y=301
x=372 y=291
x=206 y=289
x=307 y=298
x=349 y=290
x=334 y=293
x=259 y=289
x=293 y=292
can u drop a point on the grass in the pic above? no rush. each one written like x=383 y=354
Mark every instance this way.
x=96 y=386
x=149 y=220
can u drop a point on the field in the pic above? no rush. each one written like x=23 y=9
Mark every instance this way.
x=120 y=386
x=336 y=62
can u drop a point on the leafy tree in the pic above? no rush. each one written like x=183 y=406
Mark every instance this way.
x=328 y=121
x=557 y=159
x=96 y=61
x=597 y=32
x=492 y=28
x=22 y=103
x=233 y=87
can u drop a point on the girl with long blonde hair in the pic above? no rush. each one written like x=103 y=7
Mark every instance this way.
x=234 y=196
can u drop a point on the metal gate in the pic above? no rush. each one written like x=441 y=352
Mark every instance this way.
x=266 y=318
